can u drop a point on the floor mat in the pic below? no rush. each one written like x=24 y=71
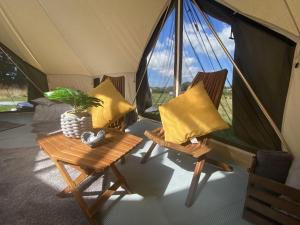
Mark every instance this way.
x=4 y=125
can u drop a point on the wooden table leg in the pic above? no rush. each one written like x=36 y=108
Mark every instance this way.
x=64 y=193
x=120 y=178
x=72 y=185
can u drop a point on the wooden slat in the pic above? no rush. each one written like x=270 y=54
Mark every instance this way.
x=229 y=154
x=114 y=147
x=256 y=218
x=117 y=140
x=269 y=212
x=195 y=150
x=72 y=159
x=110 y=152
x=275 y=187
x=275 y=201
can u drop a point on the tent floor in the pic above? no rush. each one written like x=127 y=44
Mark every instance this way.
x=29 y=183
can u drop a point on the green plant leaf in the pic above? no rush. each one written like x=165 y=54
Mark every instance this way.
x=79 y=100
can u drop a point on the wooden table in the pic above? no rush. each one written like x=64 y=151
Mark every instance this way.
x=67 y=151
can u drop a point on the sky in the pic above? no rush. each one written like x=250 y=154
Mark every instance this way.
x=161 y=65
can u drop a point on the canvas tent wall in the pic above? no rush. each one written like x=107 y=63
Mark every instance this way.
x=265 y=58
x=74 y=41
x=283 y=17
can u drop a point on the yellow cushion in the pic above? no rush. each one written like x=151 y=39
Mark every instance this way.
x=190 y=115
x=114 y=105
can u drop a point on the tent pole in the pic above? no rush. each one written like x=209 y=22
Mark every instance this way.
x=178 y=46
x=285 y=147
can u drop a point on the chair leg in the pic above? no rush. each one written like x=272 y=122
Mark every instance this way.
x=193 y=187
x=148 y=153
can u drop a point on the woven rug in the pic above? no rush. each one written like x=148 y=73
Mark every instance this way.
x=4 y=125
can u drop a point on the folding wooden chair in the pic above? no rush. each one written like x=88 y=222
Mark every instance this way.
x=119 y=83
x=214 y=83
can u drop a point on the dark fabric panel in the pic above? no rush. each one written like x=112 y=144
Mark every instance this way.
x=96 y=82
x=265 y=57
x=143 y=98
x=35 y=75
x=40 y=80
x=266 y=61
x=273 y=165
x=216 y=10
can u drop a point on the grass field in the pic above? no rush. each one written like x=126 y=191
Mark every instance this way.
x=225 y=108
x=6 y=108
x=10 y=96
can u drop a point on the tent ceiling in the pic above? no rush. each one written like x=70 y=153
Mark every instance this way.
x=83 y=37
x=105 y=37
x=279 y=15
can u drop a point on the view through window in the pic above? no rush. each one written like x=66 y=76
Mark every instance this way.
x=13 y=85
x=201 y=52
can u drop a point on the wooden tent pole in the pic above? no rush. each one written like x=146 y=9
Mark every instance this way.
x=178 y=46
x=285 y=147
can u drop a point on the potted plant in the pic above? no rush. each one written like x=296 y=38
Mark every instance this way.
x=78 y=120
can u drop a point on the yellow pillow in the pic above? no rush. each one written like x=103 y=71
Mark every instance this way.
x=114 y=105
x=190 y=115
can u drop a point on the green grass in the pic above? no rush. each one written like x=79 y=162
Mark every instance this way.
x=225 y=108
x=12 y=94
x=14 y=98
x=5 y=108
x=160 y=98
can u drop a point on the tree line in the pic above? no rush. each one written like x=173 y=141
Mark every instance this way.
x=9 y=74
x=184 y=87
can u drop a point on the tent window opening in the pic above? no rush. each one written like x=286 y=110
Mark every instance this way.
x=201 y=53
x=161 y=68
x=13 y=85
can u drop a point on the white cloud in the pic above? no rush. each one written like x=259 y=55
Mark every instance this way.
x=202 y=46
x=163 y=64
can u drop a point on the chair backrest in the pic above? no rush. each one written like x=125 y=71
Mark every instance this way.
x=119 y=83
x=213 y=82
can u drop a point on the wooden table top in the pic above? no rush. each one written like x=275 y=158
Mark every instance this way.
x=73 y=151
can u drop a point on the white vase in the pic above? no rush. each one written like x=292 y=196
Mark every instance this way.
x=74 y=124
